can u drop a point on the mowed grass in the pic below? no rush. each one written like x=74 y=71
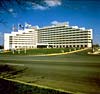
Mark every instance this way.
x=39 y=51
x=77 y=72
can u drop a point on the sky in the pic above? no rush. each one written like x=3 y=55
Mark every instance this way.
x=82 y=13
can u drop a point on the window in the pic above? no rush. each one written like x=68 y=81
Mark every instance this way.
x=70 y=45
x=66 y=46
x=73 y=45
x=77 y=45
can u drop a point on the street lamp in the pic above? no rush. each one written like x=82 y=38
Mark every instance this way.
x=92 y=45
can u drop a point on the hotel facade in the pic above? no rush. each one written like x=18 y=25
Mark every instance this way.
x=59 y=35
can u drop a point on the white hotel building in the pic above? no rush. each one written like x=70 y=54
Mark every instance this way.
x=55 y=36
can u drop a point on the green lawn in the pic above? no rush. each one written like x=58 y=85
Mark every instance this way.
x=39 y=51
x=77 y=72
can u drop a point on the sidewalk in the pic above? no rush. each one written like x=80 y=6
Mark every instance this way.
x=66 y=52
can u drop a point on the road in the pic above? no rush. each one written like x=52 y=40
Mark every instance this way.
x=74 y=72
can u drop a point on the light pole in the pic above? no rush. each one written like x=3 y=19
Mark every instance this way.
x=25 y=50
x=92 y=45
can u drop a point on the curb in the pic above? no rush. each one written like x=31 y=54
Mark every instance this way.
x=66 y=52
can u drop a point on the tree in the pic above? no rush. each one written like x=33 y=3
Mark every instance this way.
x=96 y=45
x=1 y=47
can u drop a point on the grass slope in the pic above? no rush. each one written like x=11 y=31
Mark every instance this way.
x=11 y=87
x=38 y=51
